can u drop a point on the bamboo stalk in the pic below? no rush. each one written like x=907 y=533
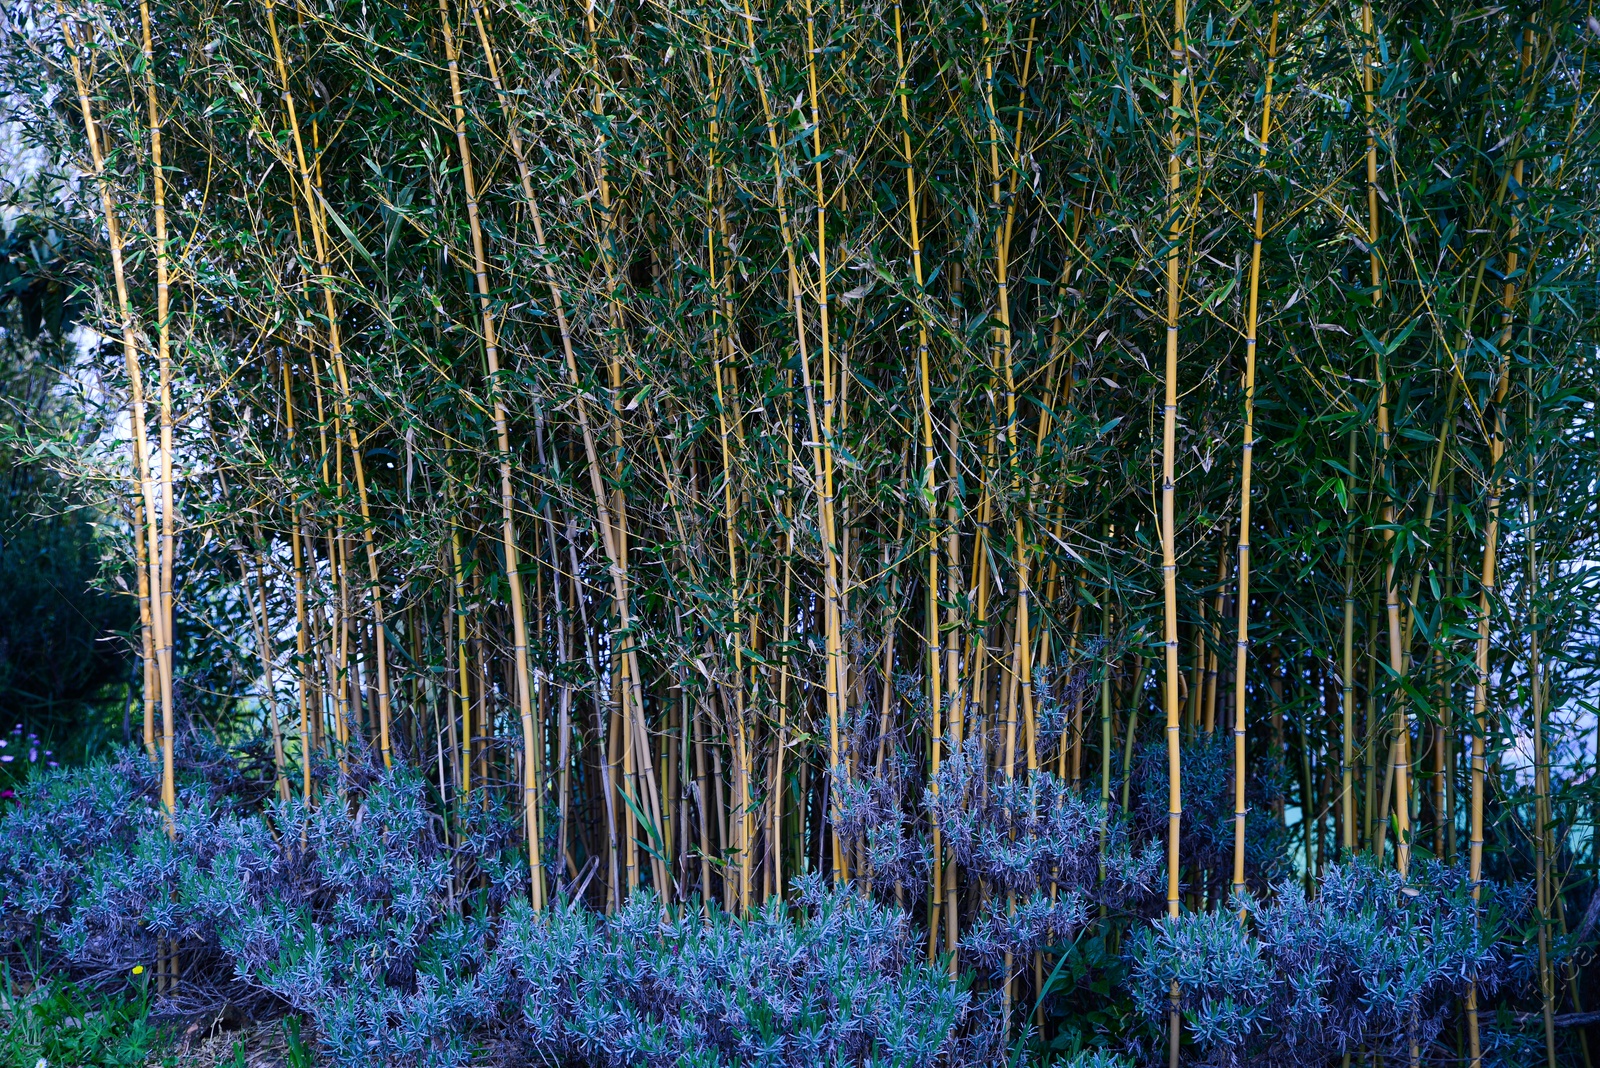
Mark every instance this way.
x=952 y=667
x=1020 y=661
x=723 y=333
x=564 y=714
x=1106 y=740
x=161 y=552
x=309 y=190
x=1347 y=679
x=935 y=696
x=458 y=585
x=147 y=655
x=612 y=518
x=1169 y=564
x=264 y=647
x=1400 y=750
x=1213 y=660
x=1541 y=773
x=1446 y=697
x=1487 y=588
x=301 y=646
x=779 y=741
x=612 y=535
x=1242 y=648
x=821 y=483
x=1130 y=733
x=146 y=547
x=1076 y=772
x=532 y=760
x=835 y=676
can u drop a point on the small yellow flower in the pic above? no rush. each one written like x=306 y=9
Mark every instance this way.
x=138 y=969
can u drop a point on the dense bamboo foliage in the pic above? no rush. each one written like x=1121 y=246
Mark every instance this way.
x=763 y=439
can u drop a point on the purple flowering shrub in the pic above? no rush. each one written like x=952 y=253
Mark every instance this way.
x=1206 y=833
x=406 y=942
x=874 y=811
x=63 y=827
x=73 y=833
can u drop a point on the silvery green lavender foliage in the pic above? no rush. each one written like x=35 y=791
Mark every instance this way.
x=44 y=868
x=1373 y=962
x=849 y=985
x=1095 y=1058
x=71 y=828
x=351 y=912
x=355 y=921
x=1037 y=844
x=1058 y=690
x=342 y=911
x=873 y=806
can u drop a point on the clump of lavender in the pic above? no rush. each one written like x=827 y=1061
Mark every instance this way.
x=1095 y=1058
x=345 y=911
x=405 y=948
x=65 y=825
x=1018 y=928
x=873 y=793
x=846 y=984
x=1033 y=838
x=1373 y=962
x=1034 y=831
x=1057 y=689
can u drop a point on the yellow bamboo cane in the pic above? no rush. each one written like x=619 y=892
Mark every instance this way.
x=301 y=647
x=1242 y=648
x=162 y=549
x=1487 y=588
x=532 y=758
x=312 y=196
x=935 y=697
x=144 y=509
x=1169 y=564
x=835 y=674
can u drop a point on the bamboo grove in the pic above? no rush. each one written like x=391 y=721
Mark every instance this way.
x=701 y=428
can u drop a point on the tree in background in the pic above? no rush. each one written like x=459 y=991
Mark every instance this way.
x=64 y=638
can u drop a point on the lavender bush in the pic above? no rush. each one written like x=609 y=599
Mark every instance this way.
x=353 y=914
x=405 y=944
x=1047 y=852
x=848 y=985
x=1373 y=962
x=874 y=808
x=1206 y=837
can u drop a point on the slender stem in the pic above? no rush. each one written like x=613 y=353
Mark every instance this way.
x=1487 y=588
x=532 y=758
x=935 y=681
x=1169 y=561
x=1242 y=649
x=144 y=528
x=313 y=203
x=162 y=549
